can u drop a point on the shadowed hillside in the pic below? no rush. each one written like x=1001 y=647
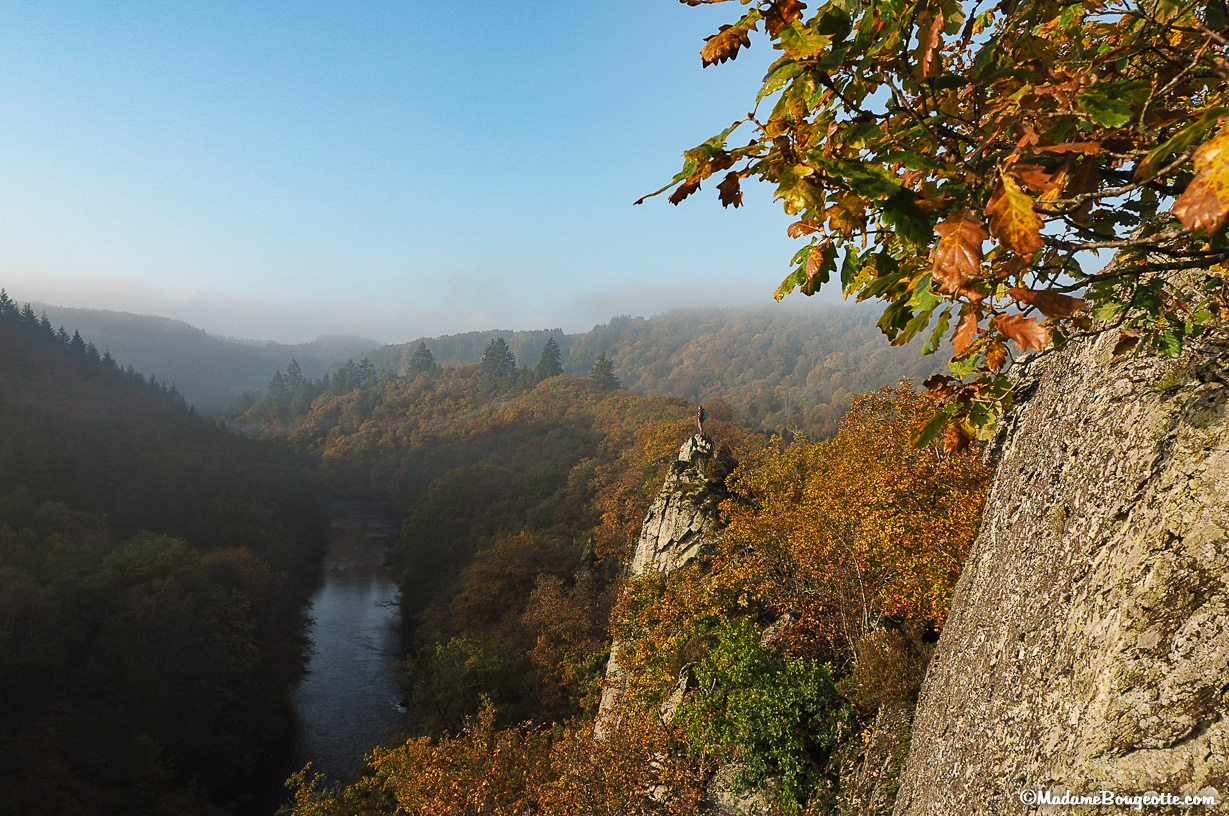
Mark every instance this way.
x=211 y=372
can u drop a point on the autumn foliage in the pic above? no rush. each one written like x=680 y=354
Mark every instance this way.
x=842 y=531
x=835 y=543
x=523 y=499
x=965 y=163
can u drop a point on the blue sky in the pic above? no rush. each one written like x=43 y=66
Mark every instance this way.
x=284 y=170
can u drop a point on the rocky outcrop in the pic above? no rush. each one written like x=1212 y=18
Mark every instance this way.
x=727 y=797
x=1087 y=648
x=682 y=515
x=675 y=530
x=866 y=766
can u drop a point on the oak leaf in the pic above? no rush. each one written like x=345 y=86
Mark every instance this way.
x=1085 y=148
x=715 y=164
x=800 y=228
x=1027 y=333
x=958 y=253
x=1083 y=180
x=1038 y=178
x=781 y=13
x=848 y=215
x=724 y=45
x=729 y=192
x=929 y=48
x=996 y=356
x=955 y=438
x=685 y=189
x=965 y=333
x=1127 y=340
x=1012 y=218
x=1049 y=302
x=1205 y=204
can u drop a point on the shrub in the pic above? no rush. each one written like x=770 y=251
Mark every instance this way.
x=889 y=667
x=776 y=715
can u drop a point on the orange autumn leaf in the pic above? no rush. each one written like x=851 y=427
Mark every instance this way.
x=724 y=45
x=996 y=356
x=1012 y=218
x=958 y=253
x=930 y=49
x=800 y=228
x=964 y=334
x=1026 y=332
x=1049 y=302
x=1205 y=204
x=781 y=13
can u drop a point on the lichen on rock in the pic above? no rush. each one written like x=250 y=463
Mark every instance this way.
x=1088 y=644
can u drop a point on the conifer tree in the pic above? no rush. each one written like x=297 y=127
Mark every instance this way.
x=601 y=375
x=346 y=379
x=278 y=397
x=422 y=362
x=548 y=365
x=498 y=361
x=294 y=375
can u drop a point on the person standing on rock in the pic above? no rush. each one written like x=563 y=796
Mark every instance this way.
x=701 y=415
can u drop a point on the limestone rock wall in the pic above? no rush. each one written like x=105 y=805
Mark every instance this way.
x=1088 y=644
x=675 y=530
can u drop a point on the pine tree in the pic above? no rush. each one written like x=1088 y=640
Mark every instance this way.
x=294 y=375
x=421 y=362
x=498 y=361
x=277 y=400
x=345 y=380
x=548 y=365
x=602 y=376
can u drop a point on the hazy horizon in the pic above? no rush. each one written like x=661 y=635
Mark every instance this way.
x=380 y=169
x=794 y=305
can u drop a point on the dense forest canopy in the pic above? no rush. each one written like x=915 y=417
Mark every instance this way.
x=905 y=134
x=779 y=368
x=152 y=578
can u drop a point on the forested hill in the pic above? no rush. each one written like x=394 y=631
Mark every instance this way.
x=211 y=372
x=778 y=367
x=152 y=572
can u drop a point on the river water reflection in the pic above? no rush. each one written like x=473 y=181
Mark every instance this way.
x=349 y=701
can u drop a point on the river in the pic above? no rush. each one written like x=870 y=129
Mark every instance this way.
x=349 y=701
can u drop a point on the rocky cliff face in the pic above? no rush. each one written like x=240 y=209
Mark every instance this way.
x=676 y=529
x=1088 y=645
